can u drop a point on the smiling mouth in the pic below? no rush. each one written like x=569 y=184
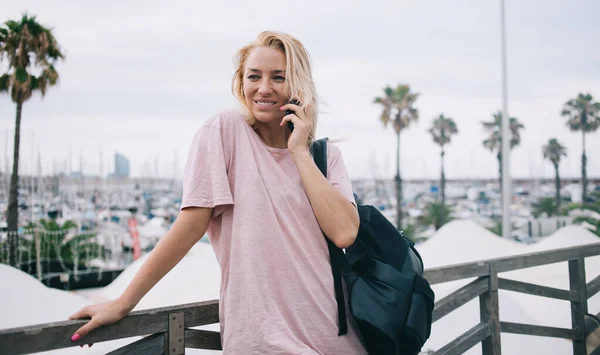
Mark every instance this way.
x=265 y=104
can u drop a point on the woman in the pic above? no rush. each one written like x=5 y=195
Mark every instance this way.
x=251 y=183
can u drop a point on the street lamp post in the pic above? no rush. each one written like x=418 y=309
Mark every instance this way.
x=506 y=181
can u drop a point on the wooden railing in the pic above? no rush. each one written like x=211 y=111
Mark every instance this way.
x=167 y=329
x=487 y=284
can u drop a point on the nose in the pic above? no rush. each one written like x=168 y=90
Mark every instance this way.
x=265 y=87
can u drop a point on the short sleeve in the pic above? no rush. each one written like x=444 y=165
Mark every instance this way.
x=205 y=181
x=337 y=174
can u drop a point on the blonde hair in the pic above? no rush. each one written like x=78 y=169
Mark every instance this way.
x=299 y=83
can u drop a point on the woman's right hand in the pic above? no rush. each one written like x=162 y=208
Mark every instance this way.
x=189 y=227
x=100 y=314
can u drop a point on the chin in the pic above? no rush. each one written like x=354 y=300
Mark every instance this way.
x=265 y=117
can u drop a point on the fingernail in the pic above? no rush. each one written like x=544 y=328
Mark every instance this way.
x=282 y=107
x=75 y=337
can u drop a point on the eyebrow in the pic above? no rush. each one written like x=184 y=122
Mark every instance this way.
x=278 y=71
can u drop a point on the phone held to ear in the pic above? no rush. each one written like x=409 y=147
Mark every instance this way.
x=289 y=112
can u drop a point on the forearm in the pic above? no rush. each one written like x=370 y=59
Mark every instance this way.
x=168 y=252
x=336 y=215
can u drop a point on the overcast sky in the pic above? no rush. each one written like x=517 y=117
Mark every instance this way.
x=141 y=76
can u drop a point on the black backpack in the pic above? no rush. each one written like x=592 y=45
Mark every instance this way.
x=388 y=296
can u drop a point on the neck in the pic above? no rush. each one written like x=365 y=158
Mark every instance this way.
x=273 y=134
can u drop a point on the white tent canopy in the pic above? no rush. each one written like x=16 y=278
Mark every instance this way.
x=25 y=301
x=463 y=241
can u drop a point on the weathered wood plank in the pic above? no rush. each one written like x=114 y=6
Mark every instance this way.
x=489 y=313
x=593 y=287
x=456 y=272
x=537 y=290
x=150 y=345
x=476 y=269
x=578 y=308
x=528 y=329
x=51 y=336
x=459 y=297
x=203 y=339
x=544 y=258
x=466 y=341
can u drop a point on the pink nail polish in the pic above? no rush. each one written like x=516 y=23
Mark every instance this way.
x=75 y=337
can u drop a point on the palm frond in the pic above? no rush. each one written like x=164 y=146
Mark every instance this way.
x=413 y=113
x=442 y=129
x=554 y=151
x=29 y=47
x=582 y=113
x=397 y=107
x=389 y=92
x=4 y=82
x=385 y=116
x=494 y=129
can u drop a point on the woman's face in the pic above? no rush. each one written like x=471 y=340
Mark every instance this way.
x=264 y=84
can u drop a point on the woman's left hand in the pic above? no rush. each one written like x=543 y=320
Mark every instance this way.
x=298 y=140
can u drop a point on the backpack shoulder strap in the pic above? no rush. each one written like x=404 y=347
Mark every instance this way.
x=318 y=150
x=336 y=255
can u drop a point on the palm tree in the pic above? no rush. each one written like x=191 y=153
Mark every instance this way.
x=3 y=33
x=546 y=205
x=583 y=114
x=64 y=243
x=441 y=130
x=553 y=151
x=588 y=213
x=494 y=140
x=398 y=109
x=436 y=215
x=61 y=242
x=29 y=47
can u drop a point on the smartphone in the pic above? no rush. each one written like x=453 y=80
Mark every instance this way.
x=289 y=112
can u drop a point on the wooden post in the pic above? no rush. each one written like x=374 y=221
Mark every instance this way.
x=175 y=337
x=577 y=284
x=489 y=313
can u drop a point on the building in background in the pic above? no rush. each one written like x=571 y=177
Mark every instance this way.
x=121 y=166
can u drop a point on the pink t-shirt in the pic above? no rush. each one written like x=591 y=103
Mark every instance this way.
x=277 y=294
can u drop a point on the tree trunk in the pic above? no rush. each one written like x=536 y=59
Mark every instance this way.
x=499 y=156
x=443 y=179
x=398 y=180
x=13 y=203
x=583 y=170
x=443 y=190
x=557 y=183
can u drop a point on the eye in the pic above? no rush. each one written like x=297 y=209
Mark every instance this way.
x=253 y=77
x=279 y=78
